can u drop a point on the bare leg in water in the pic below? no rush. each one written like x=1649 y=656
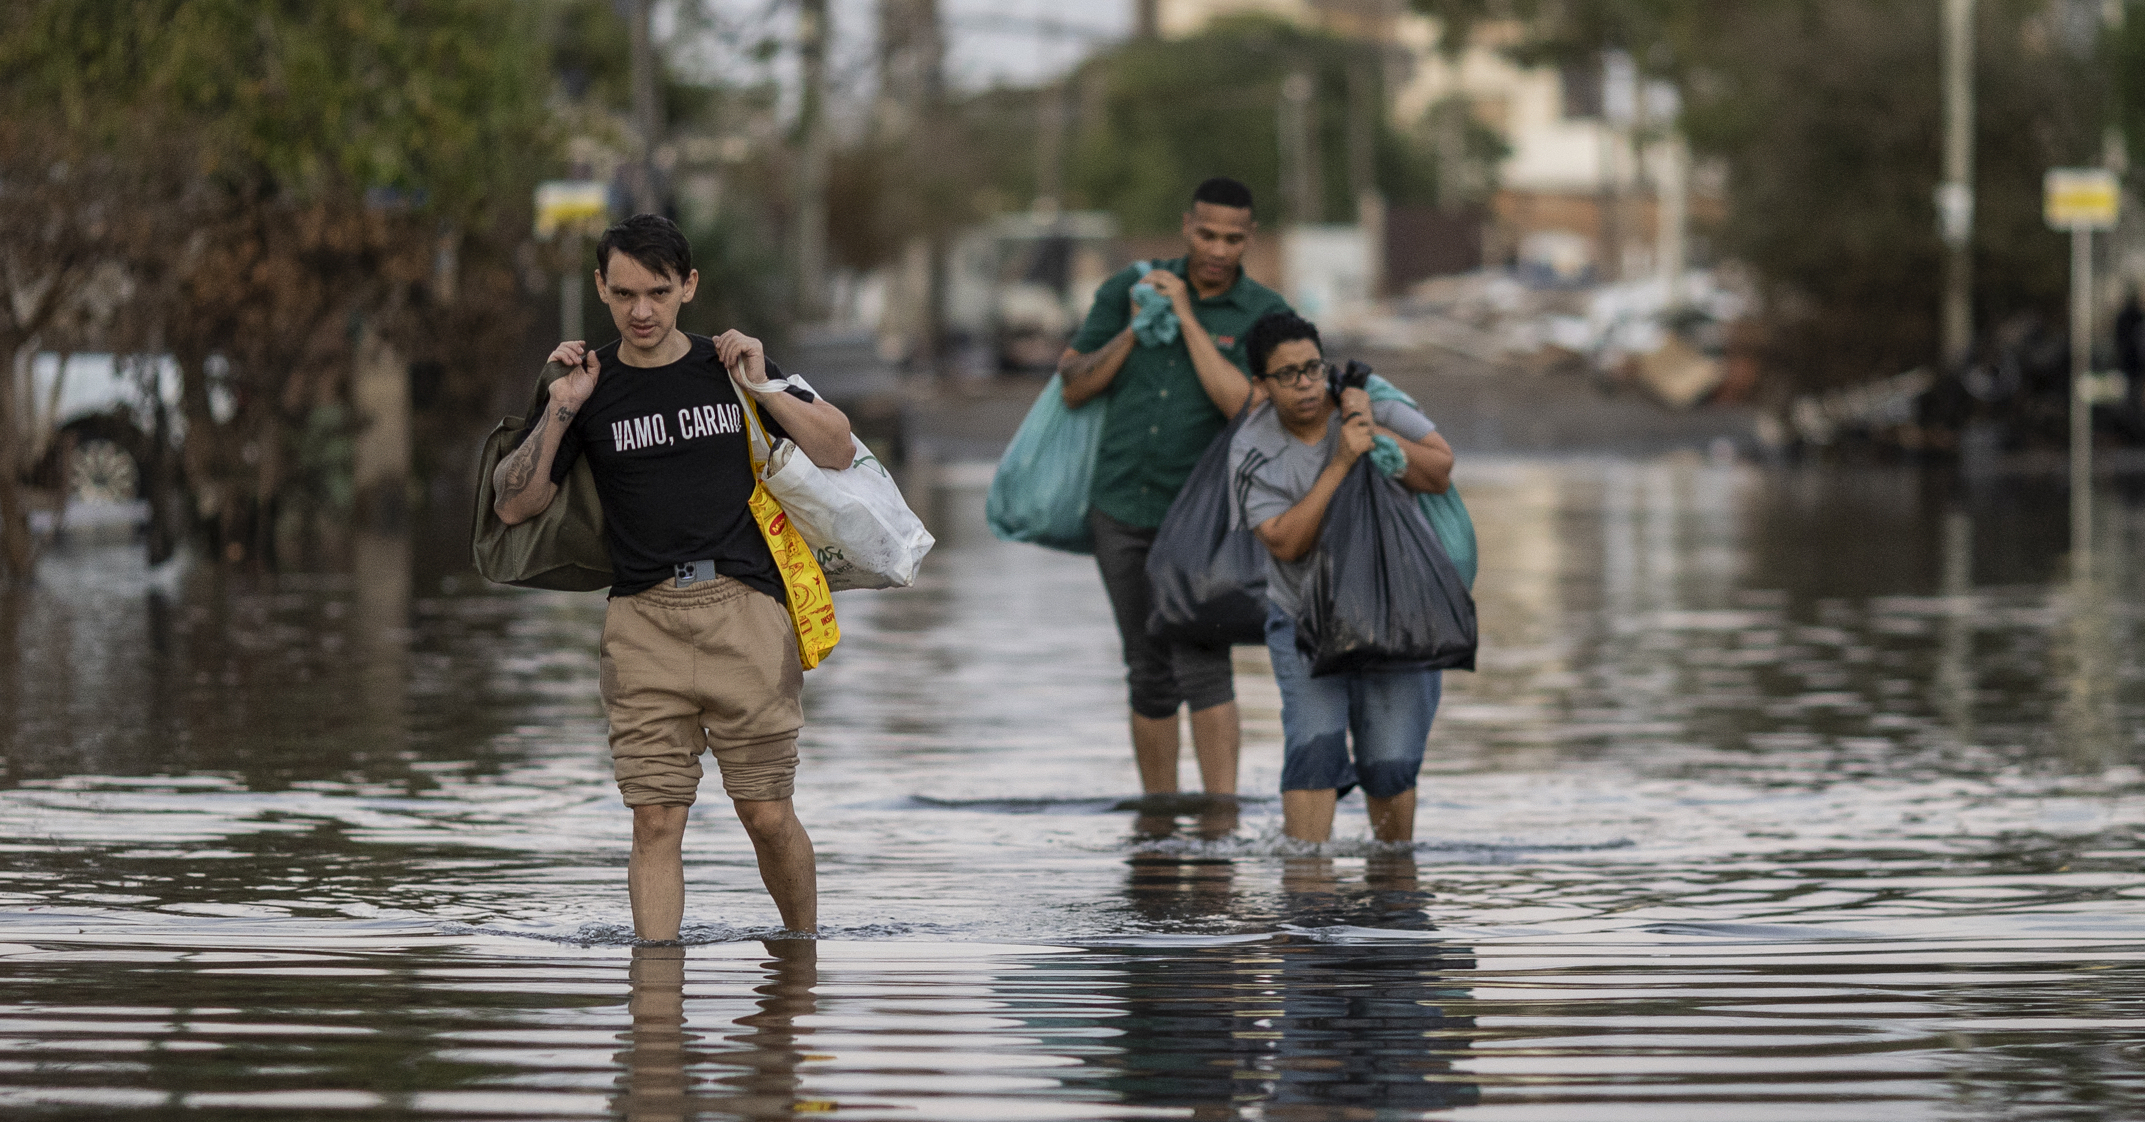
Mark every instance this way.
x=655 y=874
x=1217 y=738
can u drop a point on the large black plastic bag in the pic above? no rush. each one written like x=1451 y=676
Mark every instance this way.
x=1383 y=595
x=1208 y=581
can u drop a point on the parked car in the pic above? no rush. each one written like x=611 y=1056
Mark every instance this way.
x=90 y=419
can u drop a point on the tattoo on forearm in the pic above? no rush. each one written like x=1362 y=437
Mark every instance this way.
x=520 y=467
x=1082 y=365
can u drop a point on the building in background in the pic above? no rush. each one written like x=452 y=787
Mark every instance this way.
x=1596 y=183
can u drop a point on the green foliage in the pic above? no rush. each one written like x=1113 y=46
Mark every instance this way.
x=2125 y=68
x=434 y=101
x=590 y=48
x=1829 y=119
x=742 y=282
x=290 y=169
x=591 y=52
x=1169 y=113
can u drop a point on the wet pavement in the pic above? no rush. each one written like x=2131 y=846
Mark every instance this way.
x=1806 y=795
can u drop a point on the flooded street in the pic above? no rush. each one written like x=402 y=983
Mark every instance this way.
x=1778 y=795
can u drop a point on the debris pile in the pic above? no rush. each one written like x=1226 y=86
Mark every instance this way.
x=1682 y=348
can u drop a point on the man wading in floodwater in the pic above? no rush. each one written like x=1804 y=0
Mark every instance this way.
x=698 y=649
x=1284 y=466
x=1167 y=403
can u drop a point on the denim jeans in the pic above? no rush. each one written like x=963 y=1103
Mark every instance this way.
x=1386 y=713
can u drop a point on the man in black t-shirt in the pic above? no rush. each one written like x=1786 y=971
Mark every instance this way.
x=698 y=650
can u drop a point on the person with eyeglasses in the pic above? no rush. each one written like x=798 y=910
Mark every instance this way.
x=1167 y=402
x=1285 y=465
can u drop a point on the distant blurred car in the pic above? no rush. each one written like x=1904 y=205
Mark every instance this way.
x=1020 y=284
x=92 y=414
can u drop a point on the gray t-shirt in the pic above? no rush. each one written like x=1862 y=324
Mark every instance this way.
x=1271 y=471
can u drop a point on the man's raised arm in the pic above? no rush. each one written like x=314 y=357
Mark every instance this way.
x=1085 y=376
x=816 y=427
x=1225 y=385
x=521 y=484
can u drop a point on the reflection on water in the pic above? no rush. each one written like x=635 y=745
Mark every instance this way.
x=1297 y=1023
x=1811 y=795
x=748 y=1068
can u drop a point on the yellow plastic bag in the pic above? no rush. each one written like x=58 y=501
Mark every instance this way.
x=811 y=602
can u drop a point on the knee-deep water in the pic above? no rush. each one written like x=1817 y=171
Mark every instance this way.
x=1778 y=795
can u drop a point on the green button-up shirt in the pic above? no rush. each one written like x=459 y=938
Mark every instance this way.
x=1160 y=418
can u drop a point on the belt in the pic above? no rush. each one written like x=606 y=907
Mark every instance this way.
x=690 y=573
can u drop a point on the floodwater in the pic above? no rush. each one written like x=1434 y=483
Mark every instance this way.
x=1778 y=795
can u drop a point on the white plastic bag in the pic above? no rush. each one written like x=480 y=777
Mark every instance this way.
x=855 y=520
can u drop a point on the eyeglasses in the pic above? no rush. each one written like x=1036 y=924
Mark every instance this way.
x=1301 y=374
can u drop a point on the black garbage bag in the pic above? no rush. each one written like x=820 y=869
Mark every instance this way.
x=1208 y=581
x=1383 y=594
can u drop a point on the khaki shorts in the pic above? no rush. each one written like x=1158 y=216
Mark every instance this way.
x=710 y=667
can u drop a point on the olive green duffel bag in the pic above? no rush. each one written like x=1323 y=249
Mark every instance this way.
x=562 y=548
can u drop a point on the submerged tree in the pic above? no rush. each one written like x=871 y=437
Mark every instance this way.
x=299 y=175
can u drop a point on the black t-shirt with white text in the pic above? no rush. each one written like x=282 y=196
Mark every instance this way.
x=673 y=465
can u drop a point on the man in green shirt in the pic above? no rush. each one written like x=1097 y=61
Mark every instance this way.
x=1167 y=402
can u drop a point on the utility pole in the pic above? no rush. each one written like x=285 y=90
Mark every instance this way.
x=812 y=35
x=1672 y=188
x=911 y=64
x=912 y=53
x=1146 y=18
x=2081 y=401
x=1619 y=110
x=646 y=119
x=1363 y=123
x=2080 y=201
x=1050 y=148
x=1955 y=196
x=1299 y=148
x=1673 y=218
x=1363 y=120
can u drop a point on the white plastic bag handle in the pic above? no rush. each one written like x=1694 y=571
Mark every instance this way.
x=791 y=384
x=758 y=443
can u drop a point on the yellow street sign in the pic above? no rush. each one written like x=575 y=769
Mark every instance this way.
x=572 y=206
x=2081 y=198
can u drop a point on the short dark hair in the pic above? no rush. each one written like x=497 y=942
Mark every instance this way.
x=1272 y=330
x=1223 y=191
x=652 y=240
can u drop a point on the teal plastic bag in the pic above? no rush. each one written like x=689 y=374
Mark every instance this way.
x=1039 y=494
x=1447 y=514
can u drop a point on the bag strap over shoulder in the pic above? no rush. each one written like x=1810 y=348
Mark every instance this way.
x=777 y=383
x=757 y=444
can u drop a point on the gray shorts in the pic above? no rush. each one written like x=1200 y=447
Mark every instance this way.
x=1160 y=674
